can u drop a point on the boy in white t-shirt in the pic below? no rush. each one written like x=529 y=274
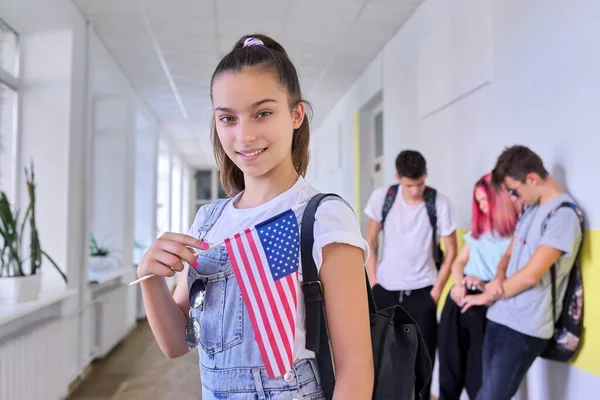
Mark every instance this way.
x=407 y=273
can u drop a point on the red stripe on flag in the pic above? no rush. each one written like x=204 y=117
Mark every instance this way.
x=286 y=305
x=274 y=307
x=258 y=299
x=293 y=283
x=238 y=276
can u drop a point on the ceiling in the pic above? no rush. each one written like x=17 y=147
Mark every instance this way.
x=169 y=48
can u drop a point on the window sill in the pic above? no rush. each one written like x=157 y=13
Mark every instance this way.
x=101 y=277
x=13 y=312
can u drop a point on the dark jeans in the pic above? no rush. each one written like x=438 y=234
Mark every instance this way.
x=419 y=304
x=461 y=349
x=507 y=355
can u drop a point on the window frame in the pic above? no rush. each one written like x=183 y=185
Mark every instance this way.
x=13 y=77
x=13 y=82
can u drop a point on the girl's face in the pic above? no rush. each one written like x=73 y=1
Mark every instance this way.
x=482 y=200
x=253 y=120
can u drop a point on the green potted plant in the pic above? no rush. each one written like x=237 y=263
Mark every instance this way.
x=17 y=284
x=99 y=256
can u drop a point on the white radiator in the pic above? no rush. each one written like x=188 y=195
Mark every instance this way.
x=33 y=364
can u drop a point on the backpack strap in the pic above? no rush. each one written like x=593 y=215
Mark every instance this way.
x=215 y=209
x=579 y=214
x=317 y=334
x=390 y=196
x=430 y=196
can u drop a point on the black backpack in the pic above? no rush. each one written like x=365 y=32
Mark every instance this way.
x=568 y=328
x=429 y=197
x=402 y=363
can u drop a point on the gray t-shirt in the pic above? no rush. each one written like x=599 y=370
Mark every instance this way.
x=530 y=312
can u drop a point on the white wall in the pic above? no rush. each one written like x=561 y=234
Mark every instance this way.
x=339 y=177
x=460 y=82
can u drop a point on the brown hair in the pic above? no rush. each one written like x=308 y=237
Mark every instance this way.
x=273 y=58
x=516 y=162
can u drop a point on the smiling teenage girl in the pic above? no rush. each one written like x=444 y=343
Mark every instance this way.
x=261 y=141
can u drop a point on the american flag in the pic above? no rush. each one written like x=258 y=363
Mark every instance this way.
x=265 y=261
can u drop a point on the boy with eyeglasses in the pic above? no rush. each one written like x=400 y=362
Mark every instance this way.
x=520 y=317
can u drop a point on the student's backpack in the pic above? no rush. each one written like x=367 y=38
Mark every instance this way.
x=429 y=197
x=568 y=327
x=402 y=364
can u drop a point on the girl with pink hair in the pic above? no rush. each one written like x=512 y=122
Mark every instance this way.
x=494 y=216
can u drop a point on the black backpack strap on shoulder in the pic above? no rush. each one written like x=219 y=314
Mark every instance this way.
x=390 y=196
x=430 y=197
x=317 y=334
x=579 y=213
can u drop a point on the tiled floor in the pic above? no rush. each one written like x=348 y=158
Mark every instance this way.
x=137 y=369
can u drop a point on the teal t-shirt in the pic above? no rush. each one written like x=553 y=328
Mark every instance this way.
x=485 y=253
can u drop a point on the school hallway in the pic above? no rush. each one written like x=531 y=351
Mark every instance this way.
x=105 y=132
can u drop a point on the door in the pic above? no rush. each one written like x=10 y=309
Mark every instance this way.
x=377 y=167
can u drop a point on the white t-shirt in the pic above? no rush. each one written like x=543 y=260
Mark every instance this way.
x=407 y=258
x=335 y=222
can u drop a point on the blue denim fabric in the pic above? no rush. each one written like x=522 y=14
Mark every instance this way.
x=253 y=383
x=231 y=366
x=507 y=355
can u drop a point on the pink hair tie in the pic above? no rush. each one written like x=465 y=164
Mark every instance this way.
x=251 y=41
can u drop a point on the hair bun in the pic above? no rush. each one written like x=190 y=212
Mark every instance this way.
x=259 y=40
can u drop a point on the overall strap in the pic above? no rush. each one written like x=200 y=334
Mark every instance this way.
x=215 y=209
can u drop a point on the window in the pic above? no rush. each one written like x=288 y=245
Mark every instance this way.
x=176 y=176
x=9 y=54
x=9 y=101
x=203 y=185
x=208 y=186
x=163 y=208
x=221 y=194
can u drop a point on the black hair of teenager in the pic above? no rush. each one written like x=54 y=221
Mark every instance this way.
x=411 y=164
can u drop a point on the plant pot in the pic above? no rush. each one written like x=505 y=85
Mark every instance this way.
x=19 y=289
x=101 y=263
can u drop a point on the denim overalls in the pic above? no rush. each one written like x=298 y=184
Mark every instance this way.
x=230 y=363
